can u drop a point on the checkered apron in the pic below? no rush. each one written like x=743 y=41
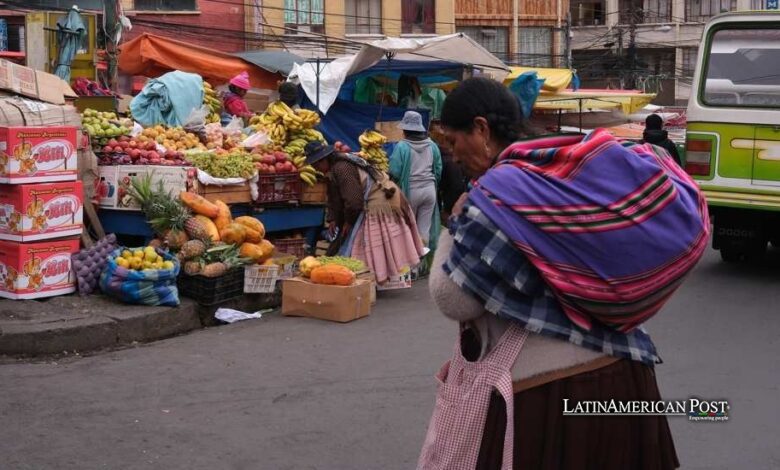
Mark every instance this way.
x=455 y=431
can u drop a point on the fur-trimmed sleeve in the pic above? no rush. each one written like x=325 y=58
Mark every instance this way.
x=452 y=301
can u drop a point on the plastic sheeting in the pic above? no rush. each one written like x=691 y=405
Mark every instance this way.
x=527 y=87
x=588 y=100
x=168 y=100
x=346 y=120
x=554 y=79
x=273 y=61
x=152 y=56
x=454 y=48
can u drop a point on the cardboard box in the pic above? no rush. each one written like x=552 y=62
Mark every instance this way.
x=38 y=154
x=369 y=276
x=34 y=83
x=390 y=130
x=114 y=181
x=35 y=270
x=41 y=211
x=301 y=298
x=230 y=194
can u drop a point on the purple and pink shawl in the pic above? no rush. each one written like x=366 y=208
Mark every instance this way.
x=612 y=227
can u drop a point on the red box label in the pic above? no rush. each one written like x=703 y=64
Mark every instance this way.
x=34 y=270
x=37 y=154
x=41 y=211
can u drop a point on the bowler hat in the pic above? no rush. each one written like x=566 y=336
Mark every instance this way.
x=316 y=151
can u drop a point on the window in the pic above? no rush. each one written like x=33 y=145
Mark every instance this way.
x=645 y=11
x=363 y=16
x=304 y=15
x=689 y=61
x=419 y=16
x=702 y=10
x=587 y=12
x=495 y=40
x=83 y=4
x=742 y=68
x=764 y=4
x=166 y=5
x=535 y=47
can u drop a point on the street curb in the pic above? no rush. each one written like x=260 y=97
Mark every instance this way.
x=87 y=326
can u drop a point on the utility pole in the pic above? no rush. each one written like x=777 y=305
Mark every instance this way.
x=567 y=40
x=632 y=46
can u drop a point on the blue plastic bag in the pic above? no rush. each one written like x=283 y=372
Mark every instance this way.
x=147 y=287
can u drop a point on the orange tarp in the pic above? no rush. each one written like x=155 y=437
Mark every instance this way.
x=152 y=56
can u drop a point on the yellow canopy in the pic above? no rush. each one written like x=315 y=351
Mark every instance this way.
x=554 y=79
x=591 y=100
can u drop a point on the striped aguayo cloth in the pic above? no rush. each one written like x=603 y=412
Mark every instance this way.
x=613 y=227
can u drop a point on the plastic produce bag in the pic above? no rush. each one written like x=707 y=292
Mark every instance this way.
x=234 y=128
x=257 y=139
x=196 y=121
x=89 y=263
x=147 y=287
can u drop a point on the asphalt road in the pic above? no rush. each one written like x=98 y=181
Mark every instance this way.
x=288 y=393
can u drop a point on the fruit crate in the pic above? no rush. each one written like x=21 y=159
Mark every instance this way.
x=279 y=188
x=317 y=194
x=212 y=290
x=292 y=246
x=260 y=279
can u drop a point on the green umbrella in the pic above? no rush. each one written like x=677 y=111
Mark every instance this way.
x=70 y=33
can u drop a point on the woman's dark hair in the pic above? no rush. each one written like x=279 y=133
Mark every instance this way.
x=415 y=135
x=487 y=98
x=288 y=93
x=235 y=89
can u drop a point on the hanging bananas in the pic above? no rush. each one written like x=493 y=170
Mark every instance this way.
x=308 y=174
x=211 y=100
x=371 y=143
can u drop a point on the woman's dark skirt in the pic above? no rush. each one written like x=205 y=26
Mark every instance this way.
x=547 y=440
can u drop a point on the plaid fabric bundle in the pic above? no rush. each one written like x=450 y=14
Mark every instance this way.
x=610 y=228
x=147 y=287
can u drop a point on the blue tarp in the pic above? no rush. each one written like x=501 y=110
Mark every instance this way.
x=346 y=120
x=527 y=87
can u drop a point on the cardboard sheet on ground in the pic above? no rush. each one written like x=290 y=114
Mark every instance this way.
x=152 y=56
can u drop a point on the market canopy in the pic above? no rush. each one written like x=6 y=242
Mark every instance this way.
x=152 y=56
x=273 y=61
x=554 y=79
x=626 y=101
x=453 y=49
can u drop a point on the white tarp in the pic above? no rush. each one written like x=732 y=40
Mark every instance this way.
x=457 y=48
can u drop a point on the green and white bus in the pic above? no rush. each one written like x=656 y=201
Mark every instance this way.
x=733 y=136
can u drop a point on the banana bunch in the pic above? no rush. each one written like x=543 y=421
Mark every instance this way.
x=308 y=117
x=277 y=133
x=308 y=174
x=371 y=143
x=211 y=100
x=296 y=149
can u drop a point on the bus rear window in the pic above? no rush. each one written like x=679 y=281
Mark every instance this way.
x=743 y=69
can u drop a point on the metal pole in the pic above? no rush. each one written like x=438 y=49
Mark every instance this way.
x=567 y=40
x=318 y=84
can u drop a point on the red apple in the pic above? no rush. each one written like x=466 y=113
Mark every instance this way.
x=155 y=161
x=154 y=155
x=135 y=154
x=345 y=148
x=151 y=146
x=124 y=138
x=271 y=169
x=113 y=142
x=119 y=149
x=108 y=149
x=124 y=144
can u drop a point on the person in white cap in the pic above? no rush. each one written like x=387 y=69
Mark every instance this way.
x=415 y=166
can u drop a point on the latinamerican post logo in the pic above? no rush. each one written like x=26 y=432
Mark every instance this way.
x=696 y=409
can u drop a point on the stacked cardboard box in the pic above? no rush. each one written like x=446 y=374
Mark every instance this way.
x=41 y=211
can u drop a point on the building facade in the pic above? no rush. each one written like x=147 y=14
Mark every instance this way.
x=519 y=32
x=319 y=28
x=647 y=44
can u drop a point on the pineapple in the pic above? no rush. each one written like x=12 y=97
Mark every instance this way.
x=195 y=229
x=175 y=238
x=193 y=249
x=192 y=267
x=214 y=269
x=166 y=215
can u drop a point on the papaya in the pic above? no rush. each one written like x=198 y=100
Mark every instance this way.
x=199 y=204
x=223 y=218
x=233 y=234
x=251 y=251
x=252 y=223
x=307 y=265
x=332 y=274
x=210 y=227
x=267 y=247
